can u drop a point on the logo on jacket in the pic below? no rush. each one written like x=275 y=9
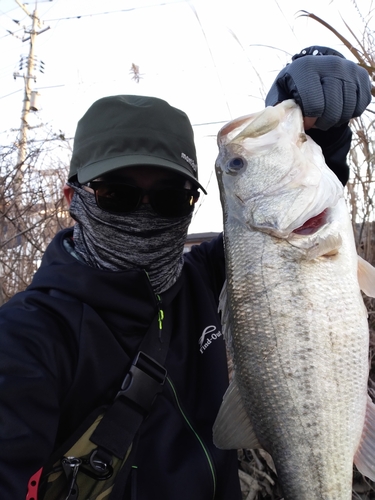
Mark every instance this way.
x=209 y=334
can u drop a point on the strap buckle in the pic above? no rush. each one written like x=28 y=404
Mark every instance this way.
x=143 y=382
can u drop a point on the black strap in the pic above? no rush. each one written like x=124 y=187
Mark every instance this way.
x=144 y=381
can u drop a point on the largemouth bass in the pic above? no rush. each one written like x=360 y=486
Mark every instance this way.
x=292 y=309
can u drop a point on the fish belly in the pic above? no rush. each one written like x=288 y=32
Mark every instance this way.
x=300 y=348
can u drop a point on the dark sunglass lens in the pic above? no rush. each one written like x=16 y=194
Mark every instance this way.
x=173 y=202
x=124 y=198
x=118 y=198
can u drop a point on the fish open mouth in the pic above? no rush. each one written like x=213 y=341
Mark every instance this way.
x=312 y=225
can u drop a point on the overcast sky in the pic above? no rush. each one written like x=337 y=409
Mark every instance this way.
x=214 y=59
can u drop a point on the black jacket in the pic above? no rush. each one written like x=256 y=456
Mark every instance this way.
x=335 y=144
x=64 y=355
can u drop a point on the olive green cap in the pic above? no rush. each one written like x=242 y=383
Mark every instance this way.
x=128 y=130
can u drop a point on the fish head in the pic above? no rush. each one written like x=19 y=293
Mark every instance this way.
x=272 y=176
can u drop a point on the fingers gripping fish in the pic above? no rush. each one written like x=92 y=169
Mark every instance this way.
x=292 y=309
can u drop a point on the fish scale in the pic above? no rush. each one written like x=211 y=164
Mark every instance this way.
x=293 y=314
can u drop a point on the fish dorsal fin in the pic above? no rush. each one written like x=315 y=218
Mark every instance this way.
x=364 y=458
x=366 y=277
x=232 y=429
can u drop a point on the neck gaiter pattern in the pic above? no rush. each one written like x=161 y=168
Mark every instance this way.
x=120 y=242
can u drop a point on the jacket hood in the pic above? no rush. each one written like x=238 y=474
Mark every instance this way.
x=99 y=289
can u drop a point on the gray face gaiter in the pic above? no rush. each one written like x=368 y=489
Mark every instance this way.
x=139 y=240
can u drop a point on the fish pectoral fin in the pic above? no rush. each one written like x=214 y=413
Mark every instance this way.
x=364 y=458
x=232 y=429
x=366 y=277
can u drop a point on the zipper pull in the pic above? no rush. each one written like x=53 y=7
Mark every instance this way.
x=160 y=320
x=160 y=316
x=71 y=466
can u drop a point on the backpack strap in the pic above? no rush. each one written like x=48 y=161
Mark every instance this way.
x=116 y=431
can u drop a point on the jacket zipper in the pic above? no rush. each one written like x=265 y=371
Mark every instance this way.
x=204 y=448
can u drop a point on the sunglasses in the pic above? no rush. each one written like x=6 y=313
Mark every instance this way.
x=121 y=198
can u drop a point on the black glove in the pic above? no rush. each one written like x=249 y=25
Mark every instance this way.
x=325 y=85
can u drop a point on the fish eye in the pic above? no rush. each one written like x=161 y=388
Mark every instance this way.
x=236 y=164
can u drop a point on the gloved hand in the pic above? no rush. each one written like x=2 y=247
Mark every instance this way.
x=325 y=85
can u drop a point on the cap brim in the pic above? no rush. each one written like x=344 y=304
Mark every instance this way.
x=93 y=170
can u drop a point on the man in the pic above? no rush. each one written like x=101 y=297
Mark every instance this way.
x=118 y=283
